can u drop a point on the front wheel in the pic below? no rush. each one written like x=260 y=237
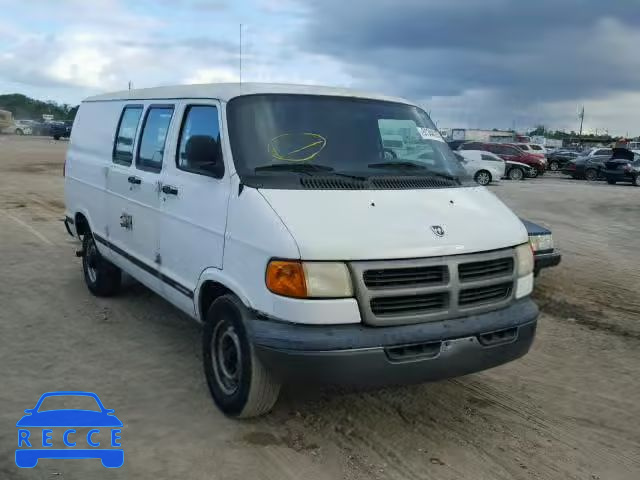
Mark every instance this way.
x=101 y=276
x=483 y=177
x=591 y=174
x=239 y=383
x=516 y=173
x=554 y=166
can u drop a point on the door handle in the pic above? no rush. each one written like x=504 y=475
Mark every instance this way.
x=134 y=180
x=169 y=190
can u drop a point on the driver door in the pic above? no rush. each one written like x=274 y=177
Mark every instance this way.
x=194 y=193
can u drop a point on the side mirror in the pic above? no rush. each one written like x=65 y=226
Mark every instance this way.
x=204 y=153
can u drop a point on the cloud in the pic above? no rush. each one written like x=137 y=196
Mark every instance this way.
x=512 y=52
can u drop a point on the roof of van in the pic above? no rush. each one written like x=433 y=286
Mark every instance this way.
x=227 y=91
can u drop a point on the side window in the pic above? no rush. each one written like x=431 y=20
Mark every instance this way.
x=511 y=151
x=154 y=134
x=490 y=158
x=200 y=149
x=126 y=134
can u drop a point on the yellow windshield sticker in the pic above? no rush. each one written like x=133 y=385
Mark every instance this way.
x=296 y=147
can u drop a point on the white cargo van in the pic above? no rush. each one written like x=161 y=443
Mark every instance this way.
x=309 y=249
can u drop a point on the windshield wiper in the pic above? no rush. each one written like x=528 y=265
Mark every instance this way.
x=294 y=167
x=415 y=166
x=399 y=164
x=307 y=168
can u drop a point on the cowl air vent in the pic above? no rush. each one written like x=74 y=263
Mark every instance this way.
x=399 y=183
x=375 y=183
x=333 y=183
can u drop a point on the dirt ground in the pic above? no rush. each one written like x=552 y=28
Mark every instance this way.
x=568 y=410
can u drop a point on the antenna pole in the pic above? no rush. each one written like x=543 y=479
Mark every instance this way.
x=240 y=56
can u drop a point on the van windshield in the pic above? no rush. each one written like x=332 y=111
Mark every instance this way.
x=277 y=138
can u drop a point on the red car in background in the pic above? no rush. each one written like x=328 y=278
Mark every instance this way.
x=510 y=153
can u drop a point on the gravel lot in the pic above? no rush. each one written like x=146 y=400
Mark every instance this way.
x=568 y=410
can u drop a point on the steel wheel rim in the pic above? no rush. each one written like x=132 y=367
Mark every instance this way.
x=91 y=260
x=226 y=357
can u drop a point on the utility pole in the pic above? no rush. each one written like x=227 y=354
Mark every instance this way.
x=581 y=117
x=129 y=84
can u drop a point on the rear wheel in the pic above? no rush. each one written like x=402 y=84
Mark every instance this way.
x=101 y=276
x=591 y=174
x=554 y=166
x=240 y=384
x=19 y=131
x=516 y=173
x=534 y=173
x=483 y=177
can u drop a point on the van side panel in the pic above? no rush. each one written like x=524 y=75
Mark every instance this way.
x=88 y=160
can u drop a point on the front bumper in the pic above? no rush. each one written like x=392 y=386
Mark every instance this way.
x=546 y=260
x=376 y=356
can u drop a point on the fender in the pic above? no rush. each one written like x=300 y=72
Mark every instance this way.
x=101 y=248
x=220 y=276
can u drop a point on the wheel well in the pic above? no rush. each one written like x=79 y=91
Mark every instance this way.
x=82 y=225
x=210 y=291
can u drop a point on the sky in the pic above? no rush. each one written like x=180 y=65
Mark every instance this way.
x=470 y=63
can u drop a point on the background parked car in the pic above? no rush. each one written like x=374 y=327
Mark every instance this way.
x=531 y=148
x=623 y=171
x=61 y=130
x=541 y=240
x=484 y=167
x=22 y=127
x=509 y=153
x=518 y=171
x=587 y=168
x=559 y=159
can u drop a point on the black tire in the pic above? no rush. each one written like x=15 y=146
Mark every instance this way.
x=482 y=177
x=56 y=137
x=554 y=166
x=101 y=276
x=516 y=173
x=19 y=131
x=239 y=383
x=591 y=174
x=534 y=173
x=636 y=181
x=611 y=181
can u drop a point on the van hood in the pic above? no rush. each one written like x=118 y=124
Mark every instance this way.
x=390 y=224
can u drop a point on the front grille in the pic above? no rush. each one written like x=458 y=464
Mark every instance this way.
x=395 y=292
x=406 y=277
x=483 y=295
x=410 y=304
x=473 y=271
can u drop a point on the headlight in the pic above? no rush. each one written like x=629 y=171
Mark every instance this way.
x=541 y=242
x=292 y=278
x=524 y=259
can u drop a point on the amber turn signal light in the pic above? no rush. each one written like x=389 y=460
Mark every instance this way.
x=286 y=278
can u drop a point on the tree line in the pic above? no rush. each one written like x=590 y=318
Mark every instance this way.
x=26 y=108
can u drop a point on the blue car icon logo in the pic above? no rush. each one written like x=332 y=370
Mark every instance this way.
x=40 y=428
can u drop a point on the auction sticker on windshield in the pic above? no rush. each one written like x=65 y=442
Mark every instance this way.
x=430 y=134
